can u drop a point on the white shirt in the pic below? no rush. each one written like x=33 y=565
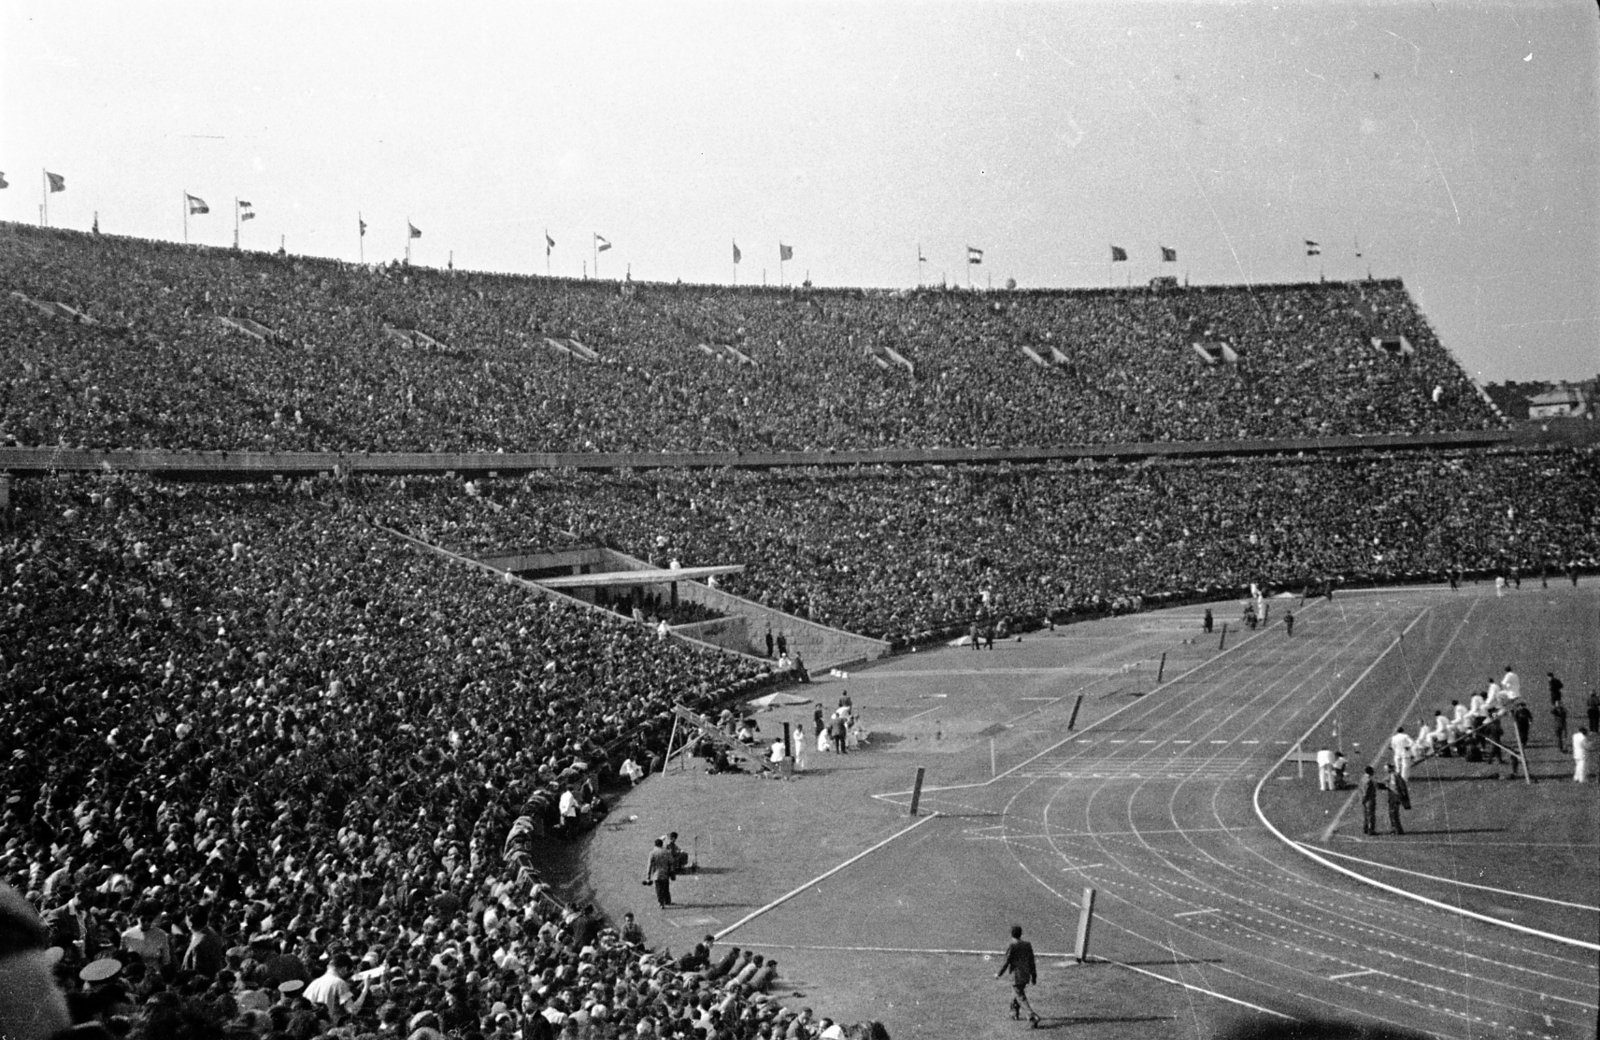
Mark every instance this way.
x=1401 y=743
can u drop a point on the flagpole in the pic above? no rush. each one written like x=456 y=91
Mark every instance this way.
x=186 y=216
x=361 y=239
x=547 y=252
x=594 y=244
x=44 y=197
x=236 y=223
x=408 y=241
x=919 y=265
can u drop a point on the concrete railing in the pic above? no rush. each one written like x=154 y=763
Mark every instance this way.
x=256 y=465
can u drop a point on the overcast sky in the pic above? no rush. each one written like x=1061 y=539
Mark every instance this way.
x=1457 y=143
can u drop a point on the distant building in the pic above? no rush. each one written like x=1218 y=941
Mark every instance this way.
x=1562 y=401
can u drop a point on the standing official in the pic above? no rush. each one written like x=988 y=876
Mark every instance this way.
x=1369 y=802
x=1399 y=797
x=658 y=871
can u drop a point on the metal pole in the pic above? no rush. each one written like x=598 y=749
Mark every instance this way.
x=1085 y=921
x=992 y=767
x=916 y=791
x=1161 y=669
x=1073 y=722
x=1222 y=644
x=1522 y=752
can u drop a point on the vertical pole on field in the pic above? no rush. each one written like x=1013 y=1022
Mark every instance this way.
x=788 y=746
x=1161 y=669
x=1073 y=722
x=1299 y=762
x=1222 y=644
x=916 y=791
x=1085 y=921
x=992 y=767
x=1522 y=753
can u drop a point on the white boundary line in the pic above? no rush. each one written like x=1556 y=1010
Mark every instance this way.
x=752 y=915
x=1197 y=989
x=1391 y=889
x=888 y=796
x=1448 y=881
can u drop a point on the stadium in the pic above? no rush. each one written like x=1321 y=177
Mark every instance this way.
x=368 y=627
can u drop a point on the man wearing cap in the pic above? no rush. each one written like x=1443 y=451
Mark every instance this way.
x=32 y=1007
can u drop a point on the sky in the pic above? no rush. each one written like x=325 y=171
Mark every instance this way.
x=1453 y=144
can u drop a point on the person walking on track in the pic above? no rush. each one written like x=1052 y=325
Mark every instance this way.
x=1024 y=973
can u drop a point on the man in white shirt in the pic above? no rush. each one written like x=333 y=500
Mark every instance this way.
x=1400 y=744
x=149 y=941
x=1511 y=682
x=333 y=990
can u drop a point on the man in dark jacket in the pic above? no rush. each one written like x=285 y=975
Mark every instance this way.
x=1024 y=972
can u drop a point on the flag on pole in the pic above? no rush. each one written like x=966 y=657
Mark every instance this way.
x=737 y=256
x=57 y=182
x=362 y=225
x=785 y=252
x=1118 y=254
x=413 y=229
x=245 y=212
x=920 y=258
x=600 y=243
x=549 y=243
x=96 y=227
x=3 y=183
x=1312 y=248
x=196 y=204
x=974 y=256
x=1168 y=256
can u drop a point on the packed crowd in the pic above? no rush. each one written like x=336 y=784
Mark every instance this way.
x=159 y=369
x=903 y=554
x=295 y=745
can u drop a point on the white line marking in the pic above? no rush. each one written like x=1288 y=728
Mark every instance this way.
x=1207 y=992
x=1219 y=742
x=1326 y=862
x=919 y=714
x=1463 y=884
x=1354 y=974
x=752 y=915
x=1191 y=913
x=1251 y=742
x=1183 y=742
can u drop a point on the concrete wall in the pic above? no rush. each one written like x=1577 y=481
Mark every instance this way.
x=257 y=465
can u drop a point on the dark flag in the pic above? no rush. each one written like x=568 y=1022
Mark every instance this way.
x=57 y=182
x=785 y=252
x=600 y=243
x=1312 y=248
x=196 y=204
x=1168 y=256
x=737 y=256
x=974 y=256
x=1118 y=253
x=413 y=229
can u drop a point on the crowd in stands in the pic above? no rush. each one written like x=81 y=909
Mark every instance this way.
x=243 y=707
x=900 y=554
x=335 y=368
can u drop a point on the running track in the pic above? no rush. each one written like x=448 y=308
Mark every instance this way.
x=1153 y=808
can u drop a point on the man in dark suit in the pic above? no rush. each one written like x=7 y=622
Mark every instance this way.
x=1024 y=973
x=658 y=871
x=1369 y=802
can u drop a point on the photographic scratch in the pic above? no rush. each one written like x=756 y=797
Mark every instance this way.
x=1416 y=56
x=1436 y=166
